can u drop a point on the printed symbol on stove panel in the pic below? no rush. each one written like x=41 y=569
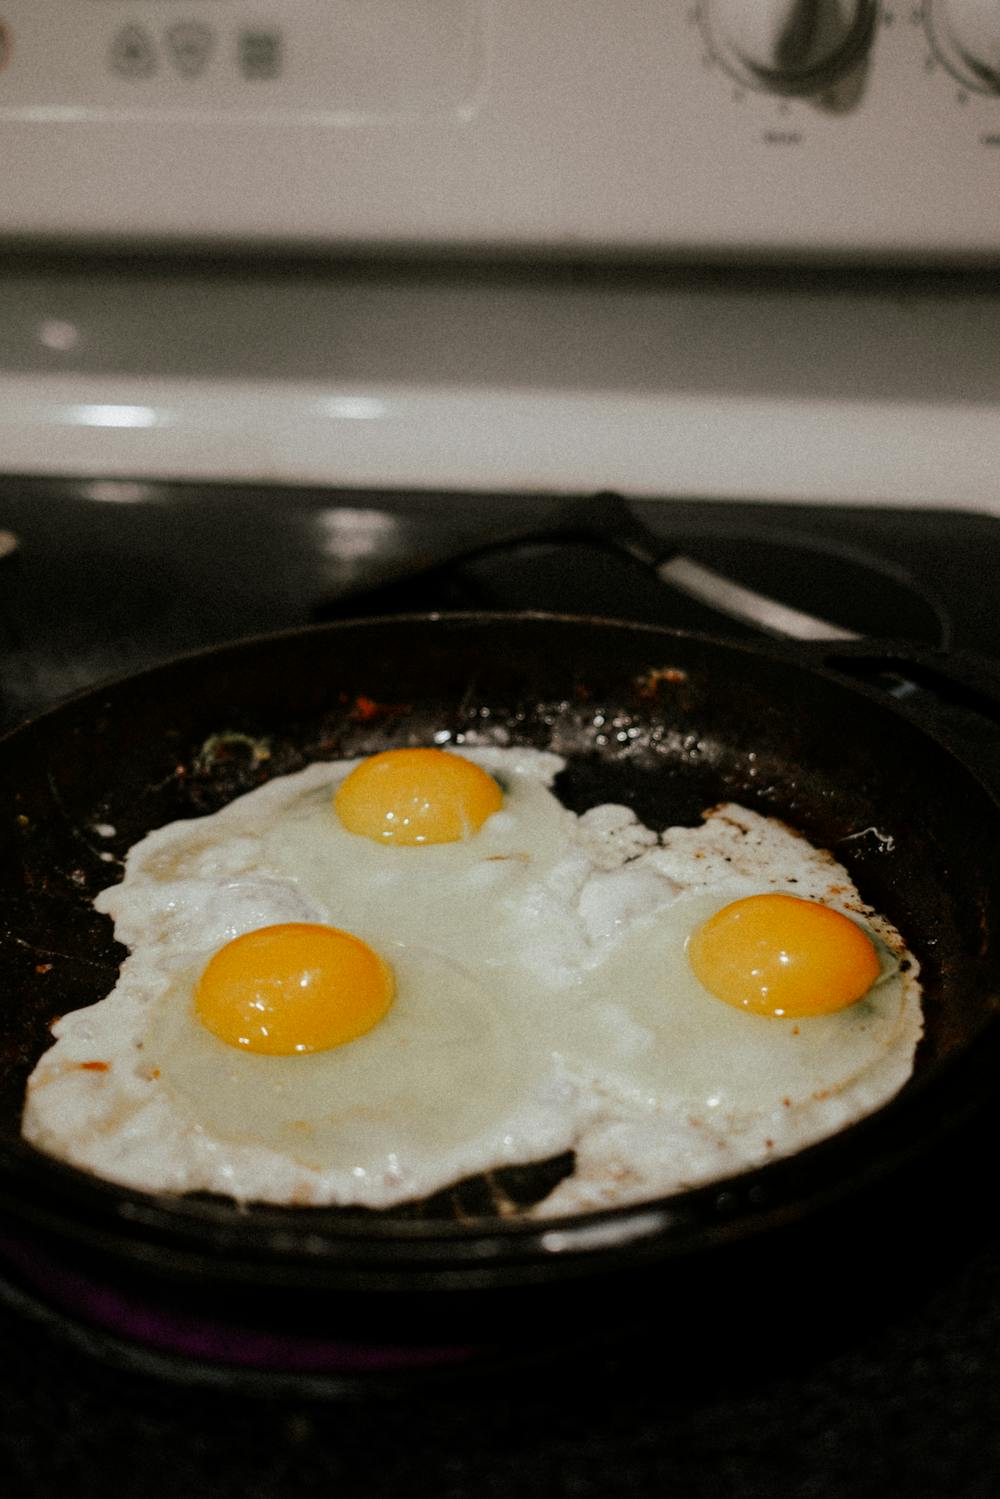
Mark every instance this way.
x=260 y=54
x=191 y=46
x=132 y=53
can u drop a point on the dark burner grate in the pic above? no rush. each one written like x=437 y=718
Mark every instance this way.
x=111 y=576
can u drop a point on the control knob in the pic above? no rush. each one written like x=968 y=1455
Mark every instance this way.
x=788 y=46
x=965 y=34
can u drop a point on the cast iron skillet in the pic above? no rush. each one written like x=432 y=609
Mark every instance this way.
x=667 y=723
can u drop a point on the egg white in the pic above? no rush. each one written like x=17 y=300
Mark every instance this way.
x=693 y=1089
x=544 y=1003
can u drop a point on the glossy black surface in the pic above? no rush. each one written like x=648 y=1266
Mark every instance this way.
x=668 y=724
x=856 y=1357
x=112 y=576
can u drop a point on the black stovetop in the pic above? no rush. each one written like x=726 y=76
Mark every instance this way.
x=112 y=576
x=109 y=577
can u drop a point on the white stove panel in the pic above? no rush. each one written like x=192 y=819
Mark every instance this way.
x=806 y=127
x=311 y=61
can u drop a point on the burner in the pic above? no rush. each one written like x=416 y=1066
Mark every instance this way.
x=183 y=1335
x=100 y=580
x=859 y=593
x=825 y=585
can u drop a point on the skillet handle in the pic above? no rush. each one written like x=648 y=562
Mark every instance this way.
x=958 y=679
x=902 y=668
x=957 y=691
x=954 y=694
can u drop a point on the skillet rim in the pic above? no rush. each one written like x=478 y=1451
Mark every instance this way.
x=153 y=1212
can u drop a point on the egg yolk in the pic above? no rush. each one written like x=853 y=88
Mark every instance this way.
x=780 y=955
x=294 y=988
x=417 y=796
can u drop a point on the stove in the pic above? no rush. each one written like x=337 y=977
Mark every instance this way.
x=196 y=450
x=105 y=577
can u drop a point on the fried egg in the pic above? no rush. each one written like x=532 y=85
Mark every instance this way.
x=367 y=980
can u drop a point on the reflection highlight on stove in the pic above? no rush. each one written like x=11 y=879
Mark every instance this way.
x=354 y=408
x=348 y=534
x=117 y=492
x=58 y=334
x=108 y=415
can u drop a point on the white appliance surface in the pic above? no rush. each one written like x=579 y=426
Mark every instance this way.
x=863 y=128
x=572 y=141
x=707 y=384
